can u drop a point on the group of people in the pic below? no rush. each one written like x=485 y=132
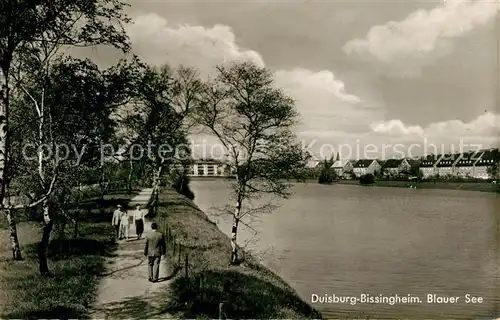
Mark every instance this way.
x=155 y=246
x=122 y=221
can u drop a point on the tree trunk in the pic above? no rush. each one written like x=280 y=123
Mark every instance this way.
x=102 y=191
x=234 y=233
x=156 y=179
x=5 y=150
x=129 y=178
x=77 y=220
x=4 y=125
x=43 y=246
x=16 y=248
x=102 y=184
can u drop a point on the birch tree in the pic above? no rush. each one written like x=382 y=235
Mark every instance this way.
x=71 y=106
x=253 y=120
x=26 y=26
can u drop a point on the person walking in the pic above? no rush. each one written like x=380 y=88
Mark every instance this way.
x=115 y=222
x=130 y=217
x=154 y=249
x=139 y=221
x=124 y=226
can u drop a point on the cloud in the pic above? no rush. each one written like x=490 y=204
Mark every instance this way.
x=402 y=48
x=321 y=98
x=323 y=81
x=397 y=128
x=323 y=102
x=159 y=43
x=485 y=126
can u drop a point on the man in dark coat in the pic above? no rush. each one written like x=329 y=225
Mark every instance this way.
x=154 y=249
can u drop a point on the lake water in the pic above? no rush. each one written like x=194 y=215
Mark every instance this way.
x=351 y=240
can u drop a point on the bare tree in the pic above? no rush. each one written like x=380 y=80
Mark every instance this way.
x=253 y=120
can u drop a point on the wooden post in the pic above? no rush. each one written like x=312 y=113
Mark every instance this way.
x=186 y=266
x=180 y=253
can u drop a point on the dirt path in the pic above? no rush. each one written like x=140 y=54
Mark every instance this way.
x=125 y=292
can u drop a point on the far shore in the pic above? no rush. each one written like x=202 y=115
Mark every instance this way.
x=446 y=185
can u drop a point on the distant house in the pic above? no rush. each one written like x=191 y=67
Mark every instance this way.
x=311 y=164
x=365 y=166
x=486 y=160
x=465 y=166
x=209 y=168
x=428 y=165
x=396 y=166
x=342 y=167
x=446 y=164
x=313 y=168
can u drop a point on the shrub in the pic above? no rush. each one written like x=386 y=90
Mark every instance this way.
x=327 y=174
x=180 y=182
x=367 y=179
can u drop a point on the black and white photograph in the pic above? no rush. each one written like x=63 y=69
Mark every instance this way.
x=250 y=159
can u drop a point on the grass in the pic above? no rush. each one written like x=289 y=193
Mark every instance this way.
x=248 y=290
x=76 y=264
x=452 y=185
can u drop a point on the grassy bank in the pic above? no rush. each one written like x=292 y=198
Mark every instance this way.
x=469 y=186
x=247 y=291
x=76 y=264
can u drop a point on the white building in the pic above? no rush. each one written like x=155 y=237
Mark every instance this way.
x=342 y=167
x=487 y=160
x=394 y=167
x=209 y=168
x=366 y=166
x=428 y=166
x=465 y=166
x=446 y=165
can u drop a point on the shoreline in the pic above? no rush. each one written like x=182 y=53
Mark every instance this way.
x=441 y=185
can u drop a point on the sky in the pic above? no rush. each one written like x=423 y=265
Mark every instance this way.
x=397 y=77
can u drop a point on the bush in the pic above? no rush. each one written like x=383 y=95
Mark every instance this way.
x=326 y=177
x=367 y=179
x=327 y=174
x=180 y=182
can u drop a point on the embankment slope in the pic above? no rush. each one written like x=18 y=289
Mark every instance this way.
x=248 y=291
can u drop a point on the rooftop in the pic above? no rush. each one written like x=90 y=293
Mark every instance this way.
x=448 y=160
x=312 y=163
x=393 y=163
x=468 y=159
x=364 y=163
x=488 y=157
x=207 y=161
x=430 y=161
x=340 y=163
